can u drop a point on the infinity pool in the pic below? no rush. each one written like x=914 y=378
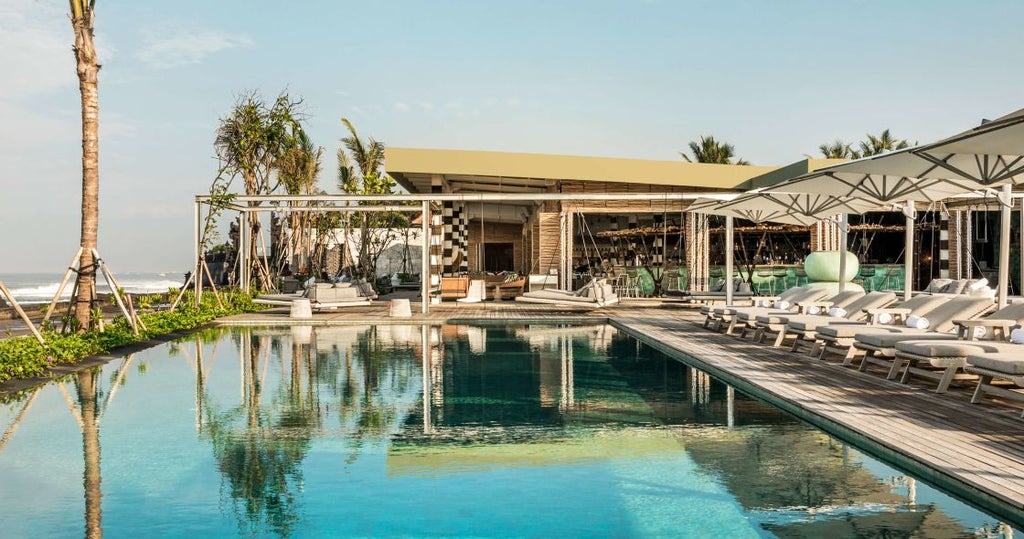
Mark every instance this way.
x=454 y=431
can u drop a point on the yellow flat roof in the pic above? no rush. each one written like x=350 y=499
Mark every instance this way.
x=414 y=167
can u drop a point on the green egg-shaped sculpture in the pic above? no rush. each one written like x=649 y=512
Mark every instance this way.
x=824 y=266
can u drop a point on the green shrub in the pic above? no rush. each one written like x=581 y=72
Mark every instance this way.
x=24 y=357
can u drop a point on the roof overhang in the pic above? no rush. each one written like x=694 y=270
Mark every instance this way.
x=787 y=172
x=507 y=172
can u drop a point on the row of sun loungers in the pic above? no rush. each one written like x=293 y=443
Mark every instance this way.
x=936 y=336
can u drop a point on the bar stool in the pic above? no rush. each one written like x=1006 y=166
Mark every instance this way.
x=800 y=276
x=779 y=277
x=867 y=277
x=893 y=279
x=765 y=280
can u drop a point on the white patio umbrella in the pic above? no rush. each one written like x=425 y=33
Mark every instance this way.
x=990 y=154
x=901 y=176
x=765 y=205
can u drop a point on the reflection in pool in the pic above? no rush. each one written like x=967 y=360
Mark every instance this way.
x=436 y=431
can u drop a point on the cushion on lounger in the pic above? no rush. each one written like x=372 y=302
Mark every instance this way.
x=944 y=348
x=889 y=338
x=937 y=284
x=813 y=310
x=782 y=304
x=1008 y=362
x=837 y=312
x=1017 y=336
x=845 y=330
x=770 y=318
x=954 y=287
x=883 y=318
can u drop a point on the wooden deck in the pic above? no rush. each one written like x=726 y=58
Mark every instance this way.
x=970 y=450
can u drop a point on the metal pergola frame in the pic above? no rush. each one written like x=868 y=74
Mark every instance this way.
x=246 y=205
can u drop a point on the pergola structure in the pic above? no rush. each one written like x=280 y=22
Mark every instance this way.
x=427 y=205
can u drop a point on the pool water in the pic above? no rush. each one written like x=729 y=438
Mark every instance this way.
x=453 y=431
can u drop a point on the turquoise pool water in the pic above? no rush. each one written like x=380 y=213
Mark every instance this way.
x=452 y=431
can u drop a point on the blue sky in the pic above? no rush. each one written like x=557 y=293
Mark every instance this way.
x=632 y=79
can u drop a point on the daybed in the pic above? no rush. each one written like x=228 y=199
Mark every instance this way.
x=323 y=296
x=597 y=293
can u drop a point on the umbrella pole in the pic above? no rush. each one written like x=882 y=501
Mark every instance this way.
x=908 y=251
x=1005 y=201
x=729 y=247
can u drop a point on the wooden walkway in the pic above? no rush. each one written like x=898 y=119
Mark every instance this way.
x=974 y=451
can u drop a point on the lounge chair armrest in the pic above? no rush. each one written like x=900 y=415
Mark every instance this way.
x=984 y=322
x=890 y=310
x=823 y=306
x=965 y=327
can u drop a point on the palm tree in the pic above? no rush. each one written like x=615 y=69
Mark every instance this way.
x=87 y=67
x=709 y=150
x=360 y=171
x=298 y=169
x=838 y=150
x=250 y=143
x=881 y=144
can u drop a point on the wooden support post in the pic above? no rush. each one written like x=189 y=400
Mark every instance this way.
x=213 y=285
x=60 y=289
x=115 y=290
x=183 y=289
x=21 y=312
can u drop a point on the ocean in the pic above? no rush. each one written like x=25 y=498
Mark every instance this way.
x=35 y=288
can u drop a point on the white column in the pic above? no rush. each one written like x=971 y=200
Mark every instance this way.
x=843 y=239
x=1005 y=200
x=908 y=254
x=729 y=247
x=425 y=258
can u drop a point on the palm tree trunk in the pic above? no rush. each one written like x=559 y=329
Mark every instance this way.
x=88 y=83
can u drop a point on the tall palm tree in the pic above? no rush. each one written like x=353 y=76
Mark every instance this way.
x=87 y=66
x=360 y=171
x=884 y=142
x=709 y=150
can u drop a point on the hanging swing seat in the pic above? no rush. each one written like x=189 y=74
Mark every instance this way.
x=595 y=294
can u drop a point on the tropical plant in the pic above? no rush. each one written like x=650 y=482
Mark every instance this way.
x=884 y=142
x=838 y=150
x=361 y=172
x=298 y=169
x=83 y=17
x=252 y=142
x=24 y=357
x=709 y=150
x=872 y=145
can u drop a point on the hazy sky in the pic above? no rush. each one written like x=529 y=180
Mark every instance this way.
x=604 y=78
